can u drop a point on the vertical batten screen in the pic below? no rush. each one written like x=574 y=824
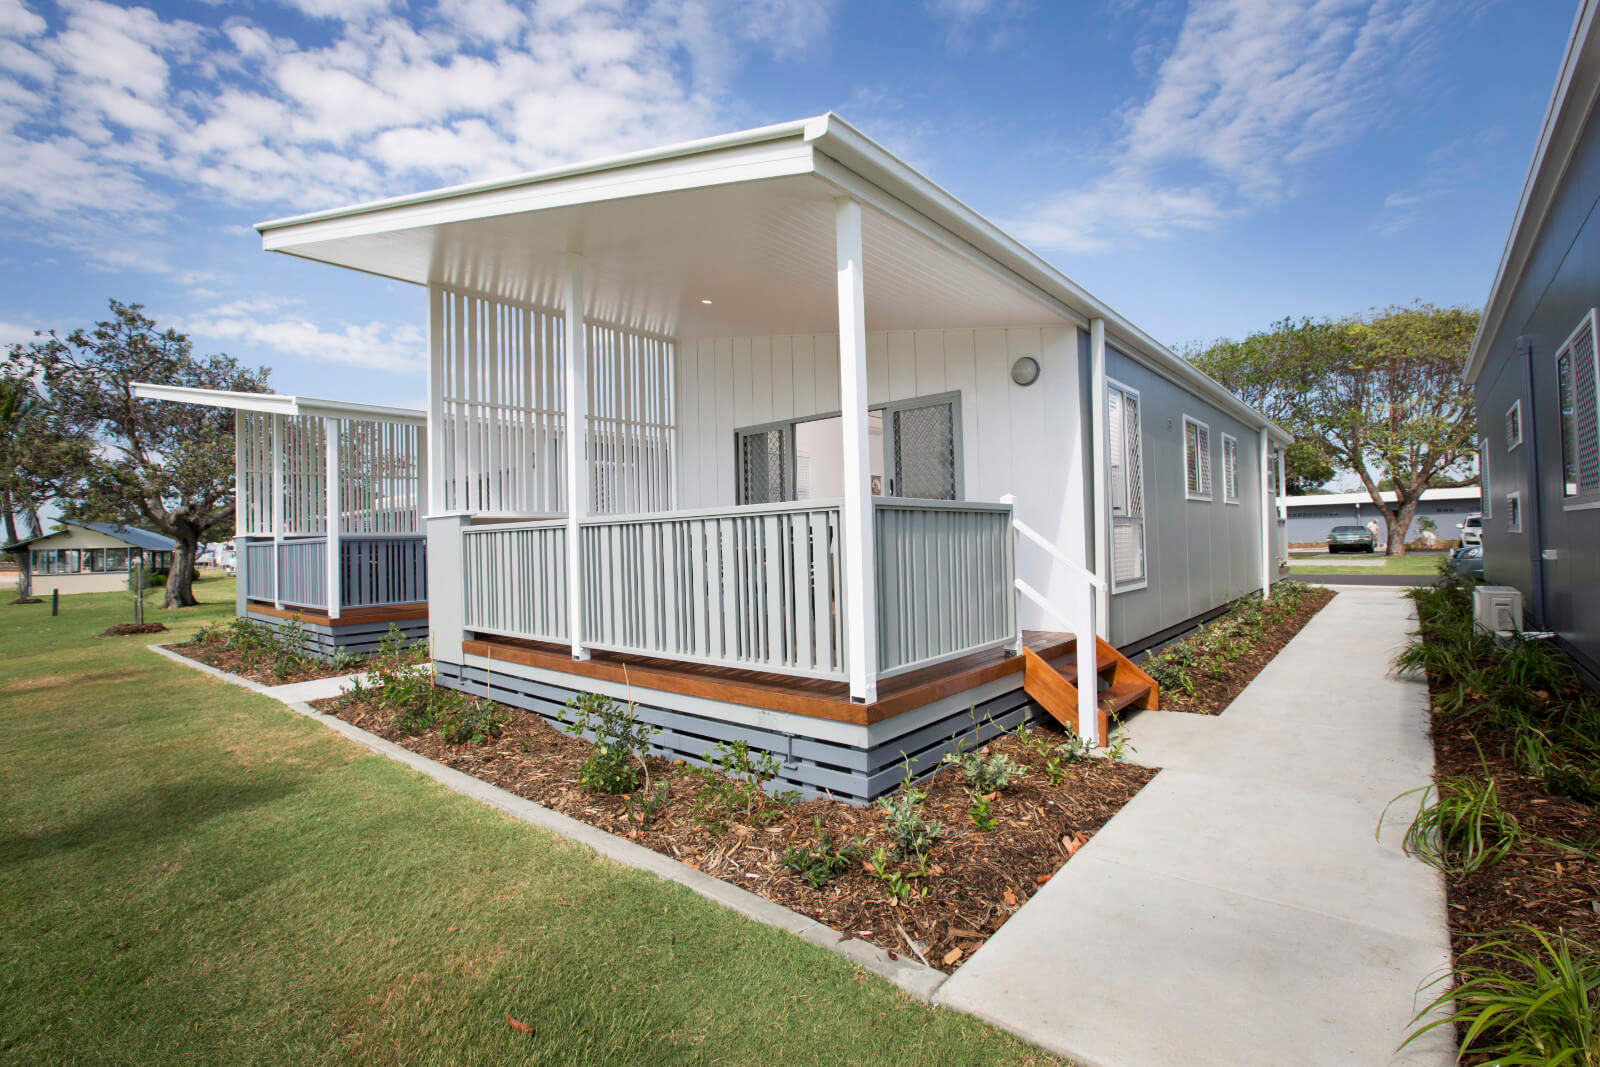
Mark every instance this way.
x=632 y=425
x=497 y=369
x=254 y=504
x=378 y=477
x=305 y=475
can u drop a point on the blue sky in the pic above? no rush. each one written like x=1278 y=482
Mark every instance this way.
x=1205 y=167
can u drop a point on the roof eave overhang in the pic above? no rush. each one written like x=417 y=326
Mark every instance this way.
x=278 y=403
x=1571 y=100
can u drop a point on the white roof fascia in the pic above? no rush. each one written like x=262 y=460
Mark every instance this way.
x=1551 y=157
x=838 y=140
x=278 y=403
x=1467 y=492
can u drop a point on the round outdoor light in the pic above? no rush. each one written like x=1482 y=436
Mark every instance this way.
x=1025 y=371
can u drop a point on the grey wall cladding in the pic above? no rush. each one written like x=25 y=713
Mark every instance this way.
x=807 y=764
x=359 y=638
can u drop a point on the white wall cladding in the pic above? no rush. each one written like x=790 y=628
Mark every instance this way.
x=379 y=469
x=499 y=371
x=1020 y=440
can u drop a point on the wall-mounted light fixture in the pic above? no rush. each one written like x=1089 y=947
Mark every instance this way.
x=705 y=301
x=1025 y=371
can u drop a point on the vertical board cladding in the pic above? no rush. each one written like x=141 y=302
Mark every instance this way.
x=1200 y=554
x=1021 y=440
x=1553 y=559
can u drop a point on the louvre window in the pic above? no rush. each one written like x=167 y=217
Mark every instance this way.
x=1483 y=478
x=1578 y=399
x=1196 y=459
x=1514 y=512
x=1514 y=425
x=1124 y=447
x=1230 y=469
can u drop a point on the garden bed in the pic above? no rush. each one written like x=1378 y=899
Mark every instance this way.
x=265 y=655
x=939 y=903
x=1203 y=672
x=1513 y=823
x=130 y=629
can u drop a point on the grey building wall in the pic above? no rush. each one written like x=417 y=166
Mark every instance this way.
x=1310 y=523
x=1199 y=554
x=1555 y=561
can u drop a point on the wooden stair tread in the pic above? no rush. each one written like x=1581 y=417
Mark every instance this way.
x=1123 y=694
x=1055 y=689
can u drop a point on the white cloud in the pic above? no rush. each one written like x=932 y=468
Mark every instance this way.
x=17 y=21
x=270 y=324
x=1251 y=92
x=15 y=333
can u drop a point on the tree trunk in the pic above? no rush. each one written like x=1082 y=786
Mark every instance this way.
x=11 y=518
x=180 y=582
x=1400 y=524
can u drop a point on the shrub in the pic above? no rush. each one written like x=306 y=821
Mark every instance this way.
x=735 y=785
x=1462 y=830
x=819 y=864
x=644 y=807
x=912 y=834
x=620 y=741
x=985 y=774
x=1523 y=1005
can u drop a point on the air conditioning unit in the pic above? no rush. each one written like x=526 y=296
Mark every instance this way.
x=1497 y=608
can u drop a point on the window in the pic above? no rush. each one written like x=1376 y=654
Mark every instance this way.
x=1230 y=469
x=1483 y=477
x=1514 y=512
x=1578 y=399
x=116 y=559
x=1514 y=425
x=1124 y=450
x=1196 y=459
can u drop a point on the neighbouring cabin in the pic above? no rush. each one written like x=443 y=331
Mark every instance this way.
x=299 y=460
x=1535 y=370
x=90 y=557
x=1311 y=517
x=775 y=438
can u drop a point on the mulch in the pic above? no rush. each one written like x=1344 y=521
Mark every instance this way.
x=976 y=879
x=1213 y=694
x=126 y=629
x=226 y=659
x=27 y=600
x=1544 y=886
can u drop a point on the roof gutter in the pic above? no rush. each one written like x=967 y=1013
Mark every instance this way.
x=277 y=403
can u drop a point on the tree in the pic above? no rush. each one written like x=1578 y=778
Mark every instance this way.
x=165 y=466
x=1381 y=397
x=38 y=459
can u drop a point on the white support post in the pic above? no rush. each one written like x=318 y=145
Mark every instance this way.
x=1100 y=481
x=1010 y=500
x=330 y=431
x=1283 y=484
x=577 y=474
x=277 y=508
x=1267 y=516
x=861 y=587
x=430 y=464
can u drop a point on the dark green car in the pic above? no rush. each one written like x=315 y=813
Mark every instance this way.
x=1351 y=539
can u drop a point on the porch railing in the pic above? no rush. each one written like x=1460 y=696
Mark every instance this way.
x=945 y=575
x=758 y=587
x=375 y=571
x=514 y=579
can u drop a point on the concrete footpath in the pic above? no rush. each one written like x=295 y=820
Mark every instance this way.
x=1240 y=910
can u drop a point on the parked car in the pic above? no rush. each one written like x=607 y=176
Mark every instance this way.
x=1351 y=539
x=1471 y=530
x=1467 y=562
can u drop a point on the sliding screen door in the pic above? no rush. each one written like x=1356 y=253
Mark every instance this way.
x=922 y=449
x=766 y=465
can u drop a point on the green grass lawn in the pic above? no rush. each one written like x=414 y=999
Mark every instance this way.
x=1326 y=564
x=190 y=873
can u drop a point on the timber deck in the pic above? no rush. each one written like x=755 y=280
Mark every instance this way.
x=813 y=697
x=347 y=617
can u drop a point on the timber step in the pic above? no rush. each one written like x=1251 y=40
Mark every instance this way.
x=1055 y=689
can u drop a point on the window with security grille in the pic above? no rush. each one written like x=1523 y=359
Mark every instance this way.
x=1514 y=425
x=1124 y=446
x=924 y=451
x=1230 y=469
x=1513 y=512
x=1483 y=477
x=1578 y=399
x=764 y=465
x=1196 y=459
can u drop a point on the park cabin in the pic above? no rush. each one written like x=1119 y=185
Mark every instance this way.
x=90 y=557
x=297 y=461
x=772 y=436
x=1535 y=370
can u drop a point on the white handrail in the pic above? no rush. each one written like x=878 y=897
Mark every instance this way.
x=1039 y=598
x=1045 y=543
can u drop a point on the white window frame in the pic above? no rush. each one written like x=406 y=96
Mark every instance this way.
x=1514 y=418
x=1203 y=464
x=1230 y=469
x=1580 y=499
x=1484 y=488
x=1143 y=581
x=1514 y=511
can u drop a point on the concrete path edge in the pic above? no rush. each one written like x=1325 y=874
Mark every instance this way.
x=909 y=976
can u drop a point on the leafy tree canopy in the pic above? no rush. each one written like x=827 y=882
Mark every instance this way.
x=1381 y=396
x=162 y=466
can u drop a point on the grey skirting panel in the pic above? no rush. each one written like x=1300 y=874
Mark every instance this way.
x=809 y=765
x=359 y=638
